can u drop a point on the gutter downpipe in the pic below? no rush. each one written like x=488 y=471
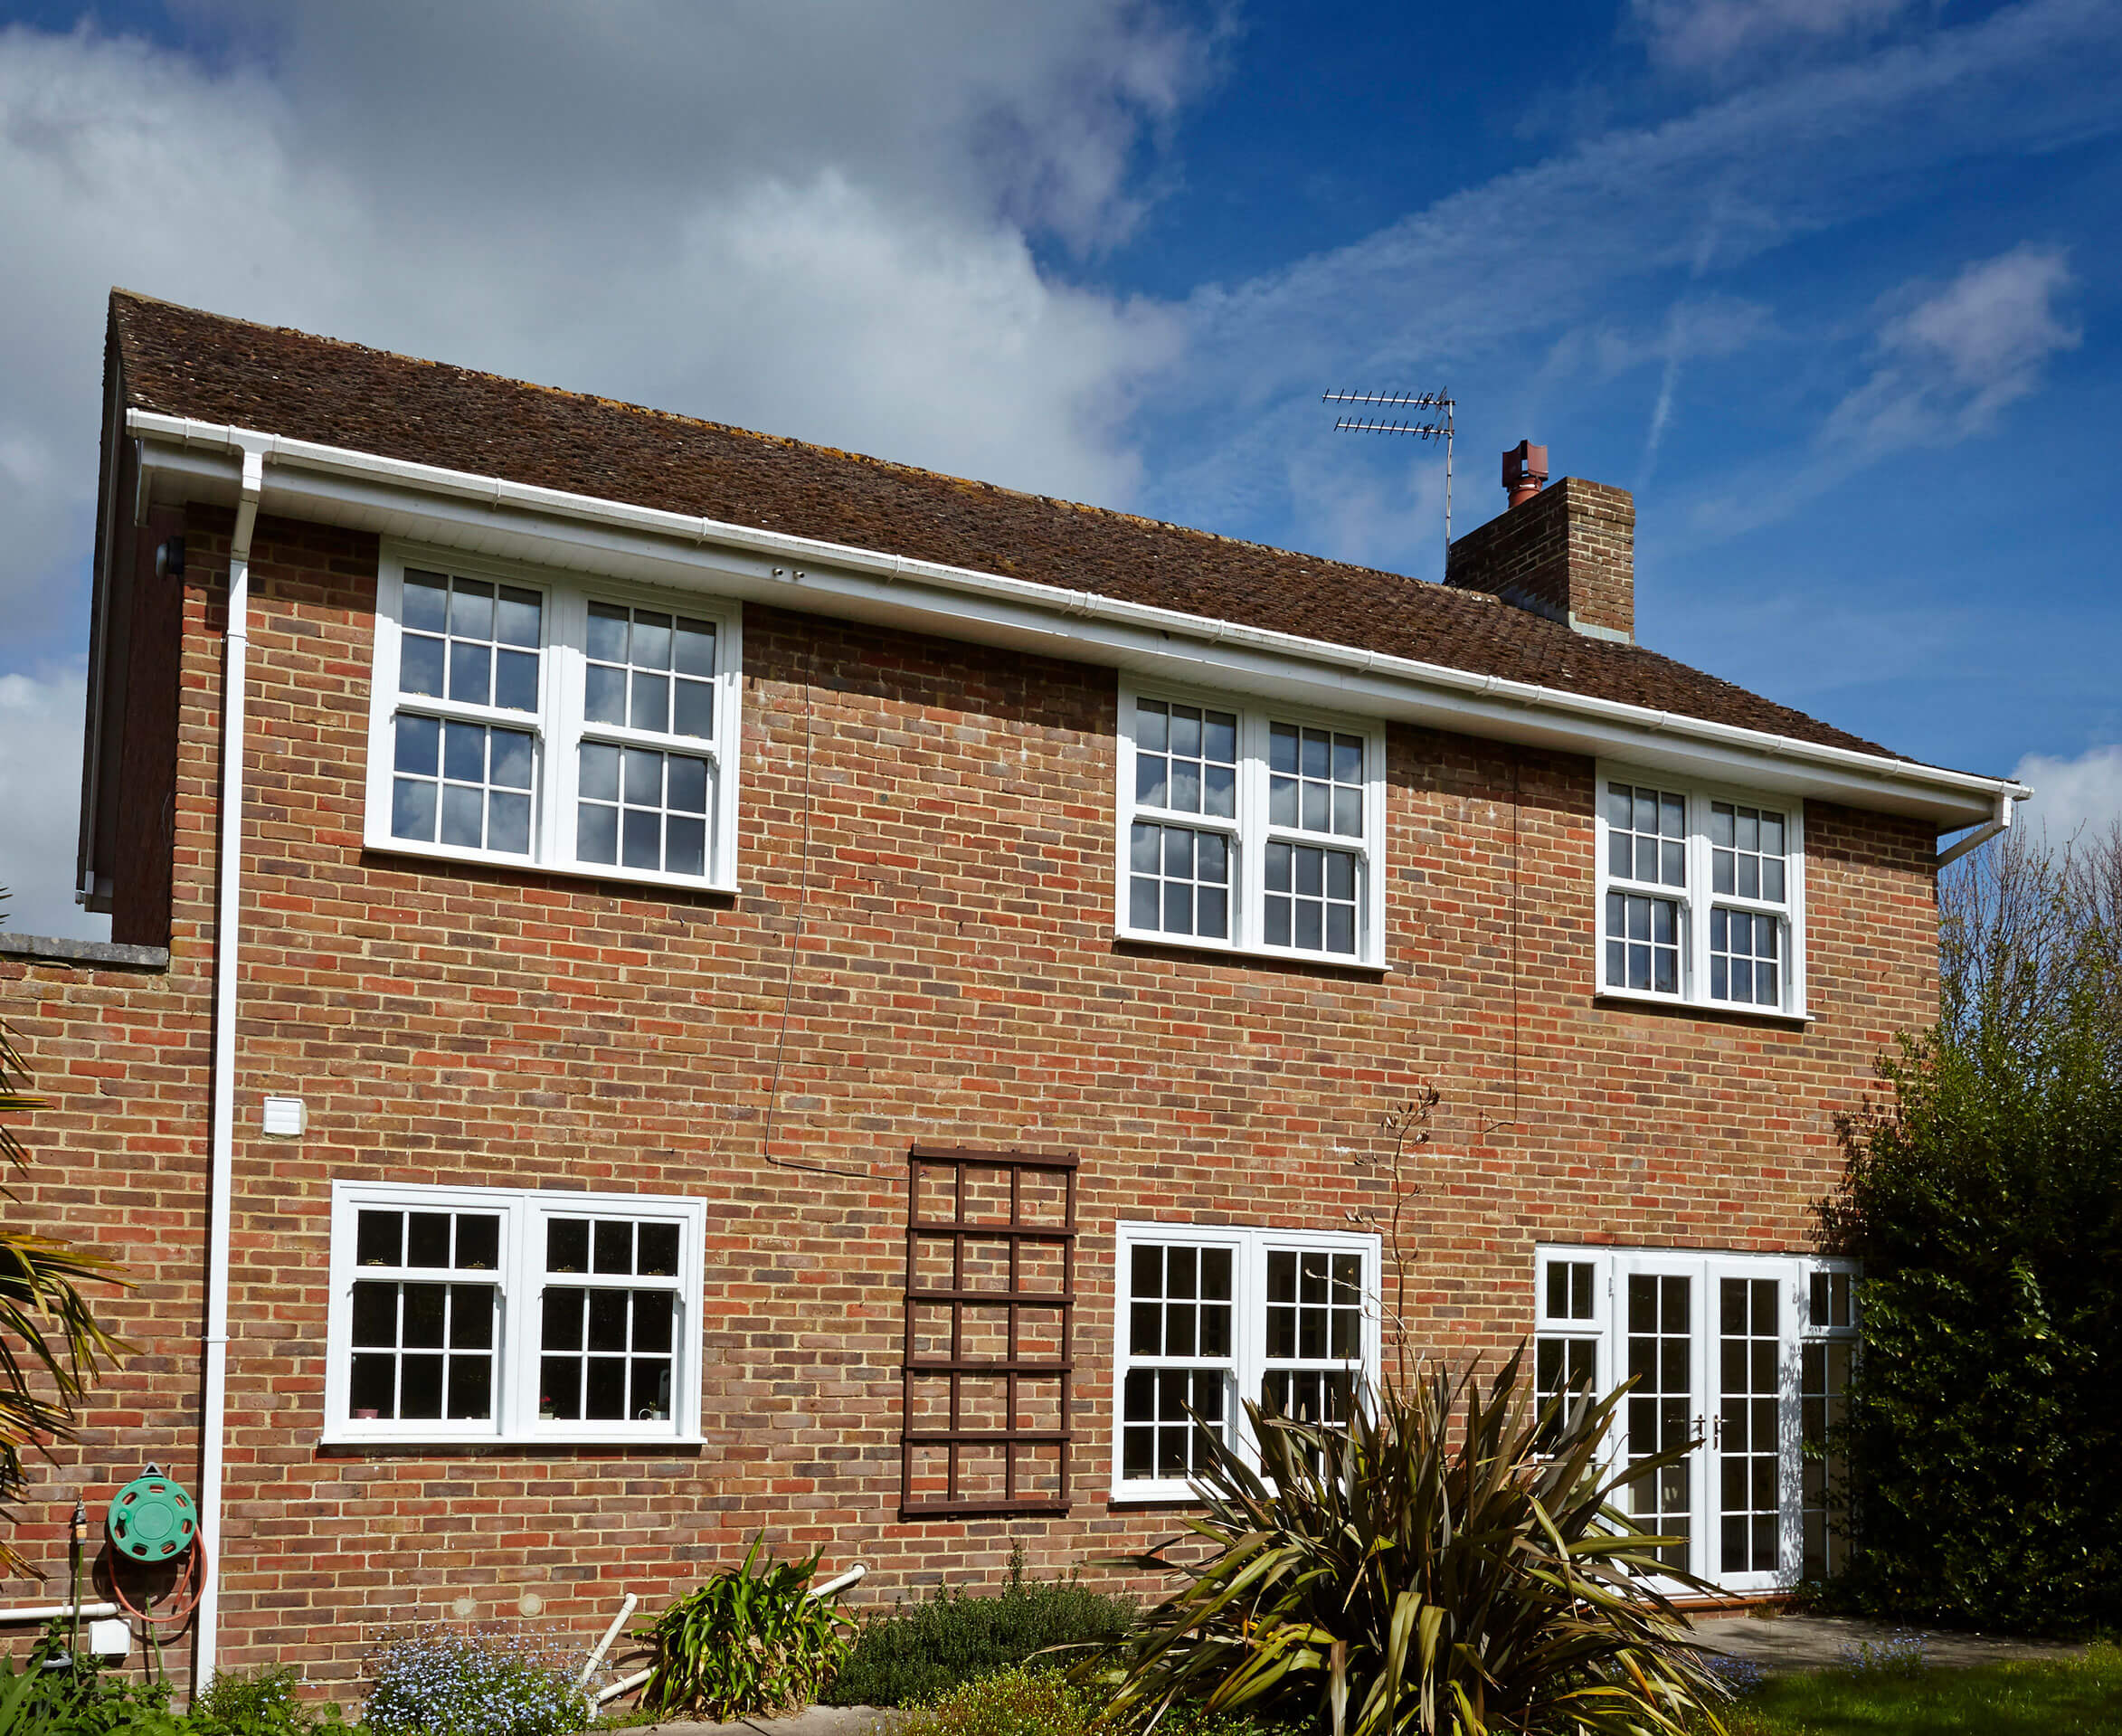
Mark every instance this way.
x=227 y=936
x=1982 y=833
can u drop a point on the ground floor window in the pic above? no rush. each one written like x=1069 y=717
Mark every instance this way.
x=1207 y=1314
x=499 y=1314
x=1744 y=1359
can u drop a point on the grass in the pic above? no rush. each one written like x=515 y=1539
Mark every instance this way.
x=2077 y=1696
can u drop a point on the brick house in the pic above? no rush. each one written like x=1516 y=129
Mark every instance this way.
x=666 y=983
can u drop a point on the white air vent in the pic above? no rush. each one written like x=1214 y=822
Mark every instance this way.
x=285 y=1117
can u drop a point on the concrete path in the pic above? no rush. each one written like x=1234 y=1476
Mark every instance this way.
x=1781 y=1642
x=813 y=1721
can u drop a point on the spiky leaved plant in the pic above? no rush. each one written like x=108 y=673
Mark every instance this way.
x=751 y=1641
x=1453 y=1563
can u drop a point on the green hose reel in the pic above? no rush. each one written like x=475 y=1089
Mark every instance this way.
x=152 y=1519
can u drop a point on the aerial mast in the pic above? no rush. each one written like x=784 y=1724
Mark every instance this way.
x=1440 y=429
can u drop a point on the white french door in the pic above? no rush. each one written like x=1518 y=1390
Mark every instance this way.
x=1713 y=1344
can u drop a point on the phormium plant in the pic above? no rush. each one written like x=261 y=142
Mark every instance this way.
x=1452 y=1561
x=752 y=1640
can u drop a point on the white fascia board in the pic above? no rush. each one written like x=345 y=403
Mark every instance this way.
x=492 y=516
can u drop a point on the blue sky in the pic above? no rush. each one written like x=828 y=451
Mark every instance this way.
x=1831 y=284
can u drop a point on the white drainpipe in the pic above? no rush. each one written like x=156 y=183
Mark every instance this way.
x=227 y=933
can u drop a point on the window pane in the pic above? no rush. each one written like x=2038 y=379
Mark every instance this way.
x=379 y=1239
x=427 y=602
x=419 y=664
x=694 y=710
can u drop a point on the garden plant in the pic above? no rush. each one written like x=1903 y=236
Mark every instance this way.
x=914 y=1653
x=749 y=1642
x=1452 y=1562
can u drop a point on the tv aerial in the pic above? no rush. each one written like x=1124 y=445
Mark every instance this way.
x=1438 y=429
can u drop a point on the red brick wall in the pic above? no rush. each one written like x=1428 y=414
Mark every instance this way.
x=958 y=983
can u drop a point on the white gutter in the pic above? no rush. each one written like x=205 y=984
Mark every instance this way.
x=1982 y=833
x=227 y=938
x=1062 y=607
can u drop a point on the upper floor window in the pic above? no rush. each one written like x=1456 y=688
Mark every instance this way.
x=574 y=726
x=497 y=1313
x=1246 y=829
x=1701 y=894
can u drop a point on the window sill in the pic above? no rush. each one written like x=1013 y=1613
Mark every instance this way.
x=345 y=1444
x=1155 y=1494
x=1665 y=1003
x=593 y=872
x=1174 y=944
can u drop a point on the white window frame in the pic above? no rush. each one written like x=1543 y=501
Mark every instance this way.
x=1250 y=833
x=521 y=1280
x=557 y=726
x=1697 y=900
x=1248 y=1360
x=1794 y=1272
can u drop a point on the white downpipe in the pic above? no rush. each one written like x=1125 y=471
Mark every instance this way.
x=56 y=1612
x=1982 y=833
x=227 y=934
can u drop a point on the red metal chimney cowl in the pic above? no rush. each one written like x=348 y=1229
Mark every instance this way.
x=1525 y=471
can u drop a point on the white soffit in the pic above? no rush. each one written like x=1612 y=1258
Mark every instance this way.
x=422 y=504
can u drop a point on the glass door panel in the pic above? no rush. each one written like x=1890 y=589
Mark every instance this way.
x=1659 y=1319
x=1747 y=1443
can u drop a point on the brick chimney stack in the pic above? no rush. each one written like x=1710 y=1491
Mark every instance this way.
x=1565 y=552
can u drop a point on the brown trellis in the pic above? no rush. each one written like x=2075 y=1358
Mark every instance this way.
x=990 y=1311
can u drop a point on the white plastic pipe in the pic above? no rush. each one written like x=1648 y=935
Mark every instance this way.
x=56 y=1612
x=222 y=1124
x=604 y=1645
x=853 y=1576
x=617 y=1688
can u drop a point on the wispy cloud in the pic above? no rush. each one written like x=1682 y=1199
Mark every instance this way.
x=1952 y=361
x=1459 y=290
x=1710 y=35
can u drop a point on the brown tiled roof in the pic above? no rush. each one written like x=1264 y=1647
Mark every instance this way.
x=212 y=368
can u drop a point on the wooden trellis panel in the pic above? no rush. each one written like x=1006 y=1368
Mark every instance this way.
x=991 y=1314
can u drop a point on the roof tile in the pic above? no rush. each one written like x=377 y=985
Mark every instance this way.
x=212 y=368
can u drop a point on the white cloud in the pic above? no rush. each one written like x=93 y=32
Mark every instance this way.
x=821 y=220
x=1956 y=358
x=1710 y=35
x=818 y=219
x=2070 y=795
x=40 y=793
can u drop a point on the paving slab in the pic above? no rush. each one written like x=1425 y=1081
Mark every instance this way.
x=1794 y=1642
x=812 y=1721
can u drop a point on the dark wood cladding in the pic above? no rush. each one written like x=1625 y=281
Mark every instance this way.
x=1013 y=1370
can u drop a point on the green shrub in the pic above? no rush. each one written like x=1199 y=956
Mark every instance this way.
x=81 y=1700
x=1020 y=1700
x=1985 y=1202
x=751 y=1641
x=268 y=1703
x=451 y=1682
x=1452 y=1562
x=914 y=1652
